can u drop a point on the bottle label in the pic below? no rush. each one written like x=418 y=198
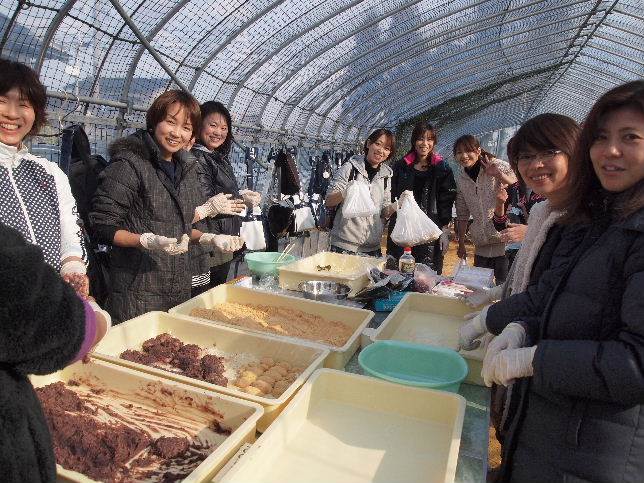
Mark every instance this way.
x=407 y=266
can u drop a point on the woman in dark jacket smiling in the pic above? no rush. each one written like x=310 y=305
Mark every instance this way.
x=580 y=416
x=218 y=182
x=145 y=206
x=428 y=176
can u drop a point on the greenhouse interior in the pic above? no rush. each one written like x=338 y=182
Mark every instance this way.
x=329 y=241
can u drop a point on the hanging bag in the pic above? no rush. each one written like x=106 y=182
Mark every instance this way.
x=252 y=231
x=413 y=227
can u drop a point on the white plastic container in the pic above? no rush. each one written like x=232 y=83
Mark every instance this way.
x=128 y=386
x=346 y=428
x=132 y=333
x=356 y=319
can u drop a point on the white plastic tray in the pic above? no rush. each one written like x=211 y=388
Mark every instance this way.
x=346 y=428
x=131 y=334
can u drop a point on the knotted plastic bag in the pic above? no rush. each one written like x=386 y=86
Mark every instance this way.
x=358 y=202
x=413 y=227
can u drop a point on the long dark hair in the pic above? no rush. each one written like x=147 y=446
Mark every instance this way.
x=419 y=131
x=470 y=143
x=216 y=107
x=543 y=132
x=586 y=196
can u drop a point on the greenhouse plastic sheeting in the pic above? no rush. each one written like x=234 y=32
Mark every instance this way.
x=330 y=71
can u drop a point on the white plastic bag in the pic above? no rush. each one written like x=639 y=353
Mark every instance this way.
x=413 y=227
x=358 y=202
x=252 y=231
x=474 y=277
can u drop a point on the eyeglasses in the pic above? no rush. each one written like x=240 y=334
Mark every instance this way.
x=542 y=156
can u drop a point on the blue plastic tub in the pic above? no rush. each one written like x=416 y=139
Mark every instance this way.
x=412 y=364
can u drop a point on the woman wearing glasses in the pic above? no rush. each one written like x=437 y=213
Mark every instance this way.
x=478 y=181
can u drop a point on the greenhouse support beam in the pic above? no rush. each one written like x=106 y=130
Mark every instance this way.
x=268 y=58
x=139 y=35
x=431 y=68
x=122 y=105
x=139 y=53
x=236 y=33
x=51 y=31
x=440 y=37
x=397 y=61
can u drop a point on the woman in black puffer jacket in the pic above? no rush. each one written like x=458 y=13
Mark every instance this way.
x=580 y=360
x=216 y=175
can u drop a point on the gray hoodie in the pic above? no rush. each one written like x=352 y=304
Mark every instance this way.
x=360 y=234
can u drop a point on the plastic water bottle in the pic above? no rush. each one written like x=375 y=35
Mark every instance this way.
x=407 y=262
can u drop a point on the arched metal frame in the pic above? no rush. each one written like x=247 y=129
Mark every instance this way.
x=342 y=100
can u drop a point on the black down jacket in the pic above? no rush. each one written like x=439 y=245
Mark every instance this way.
x=136 y=195
x=216 y=176
x=42 y=327
x=581 y=416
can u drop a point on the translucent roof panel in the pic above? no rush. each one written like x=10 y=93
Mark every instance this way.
x=331 y=70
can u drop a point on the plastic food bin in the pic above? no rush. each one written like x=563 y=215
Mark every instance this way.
x=194 y=406
x=356 y=319
x=346 y=428
x=132 y=333
x=349 y=270
x=432 y=320
x=414 y=364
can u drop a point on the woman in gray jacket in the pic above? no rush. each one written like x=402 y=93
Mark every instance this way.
x=362 y=235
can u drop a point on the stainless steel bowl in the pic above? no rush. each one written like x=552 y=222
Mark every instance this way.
x=324 y=291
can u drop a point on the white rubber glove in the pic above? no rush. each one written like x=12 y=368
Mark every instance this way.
x=220 y=204
x=251 y=198
x=511 y=364
x=178 y=248
x=153 y=242
x=443 y=241
x=104 y=313
x=222 y=243
x=512 y=337
x=483 y=296
x=73 y=267
x=472 y=330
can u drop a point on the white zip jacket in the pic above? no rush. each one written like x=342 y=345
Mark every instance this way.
x=36 y=200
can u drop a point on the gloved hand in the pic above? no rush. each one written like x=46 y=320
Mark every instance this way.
x=153 y=242
x=472 y=330
x=483 y=296
x=103 y=320
x=251 y=198
x=178 y=248
x=510 y=364
x=74 y=272
x=512 y=337
x=220 y=204
x=443 y=241
x=222 y=243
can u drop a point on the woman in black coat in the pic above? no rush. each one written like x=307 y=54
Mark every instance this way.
x=580 y=411
x=429 y=177
x=145 y=207
x=218 y=182
x=44 y=326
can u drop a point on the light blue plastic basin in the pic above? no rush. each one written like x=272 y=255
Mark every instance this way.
x=264 y=263
x=414 y=364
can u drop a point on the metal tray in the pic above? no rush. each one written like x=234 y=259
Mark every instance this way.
x=338 y=357
x=433 y=320
x=146 y=390
x=346 y=428
x=350 y=270
x=131 y=334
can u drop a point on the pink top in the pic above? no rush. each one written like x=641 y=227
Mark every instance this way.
x=410 y=158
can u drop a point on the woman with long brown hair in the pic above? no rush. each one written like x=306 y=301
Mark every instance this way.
x=580 y=357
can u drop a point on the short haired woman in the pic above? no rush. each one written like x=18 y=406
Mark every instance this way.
x=144 y=207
